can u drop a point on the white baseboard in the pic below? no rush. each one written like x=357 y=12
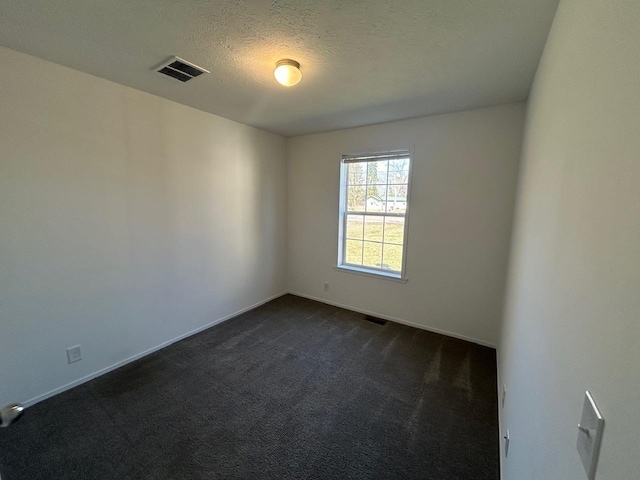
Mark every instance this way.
x=133 y=358
x=110 y=368
x=397 y=320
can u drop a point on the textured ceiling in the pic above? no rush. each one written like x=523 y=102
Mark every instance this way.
x=363 y=61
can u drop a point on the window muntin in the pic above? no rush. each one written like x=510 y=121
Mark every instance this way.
x=373 y=211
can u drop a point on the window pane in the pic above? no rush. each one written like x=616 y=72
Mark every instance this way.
x=397 y=199
x=356 y=173
x=376 y=198
x=355 y=198
x=355 y=225
x=392 y=257
x=377 y=172
x=394 y=230
x=372 y=254
x=353 y=254
x=373 y=228
x=399 y=171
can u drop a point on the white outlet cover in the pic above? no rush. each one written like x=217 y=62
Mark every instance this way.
x=504 y=394
x=74 y=354
x=590 y=431
x=507 y=440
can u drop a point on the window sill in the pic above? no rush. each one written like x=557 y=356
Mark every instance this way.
x=371 y=273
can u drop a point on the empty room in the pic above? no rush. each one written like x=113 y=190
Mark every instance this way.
x=302 y=239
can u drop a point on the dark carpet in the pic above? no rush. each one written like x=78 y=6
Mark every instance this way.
x=294 y=389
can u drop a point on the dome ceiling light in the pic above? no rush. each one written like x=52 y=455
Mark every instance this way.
x=287 y=72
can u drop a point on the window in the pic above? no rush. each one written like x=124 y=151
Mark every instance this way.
x=374 y=200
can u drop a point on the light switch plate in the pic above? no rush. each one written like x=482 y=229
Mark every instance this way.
x=590 y=435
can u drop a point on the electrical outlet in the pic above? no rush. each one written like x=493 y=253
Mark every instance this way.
x=507 y=440
x=326 y=286
x=504 y=394
x=74 y=354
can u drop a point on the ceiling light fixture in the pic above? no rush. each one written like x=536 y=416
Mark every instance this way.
x=287 y=72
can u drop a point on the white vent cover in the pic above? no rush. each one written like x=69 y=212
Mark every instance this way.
x=180 y=69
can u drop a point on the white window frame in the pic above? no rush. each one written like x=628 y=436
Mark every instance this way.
x=342 y=223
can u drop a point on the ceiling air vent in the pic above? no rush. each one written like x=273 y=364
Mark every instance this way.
x=180 y=69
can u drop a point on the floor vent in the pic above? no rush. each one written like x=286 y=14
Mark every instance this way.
x=376 y=320
x=180 y=69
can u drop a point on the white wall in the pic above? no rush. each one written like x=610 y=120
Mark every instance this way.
x=573 y=305
x=126 y=221
x=464 y=182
